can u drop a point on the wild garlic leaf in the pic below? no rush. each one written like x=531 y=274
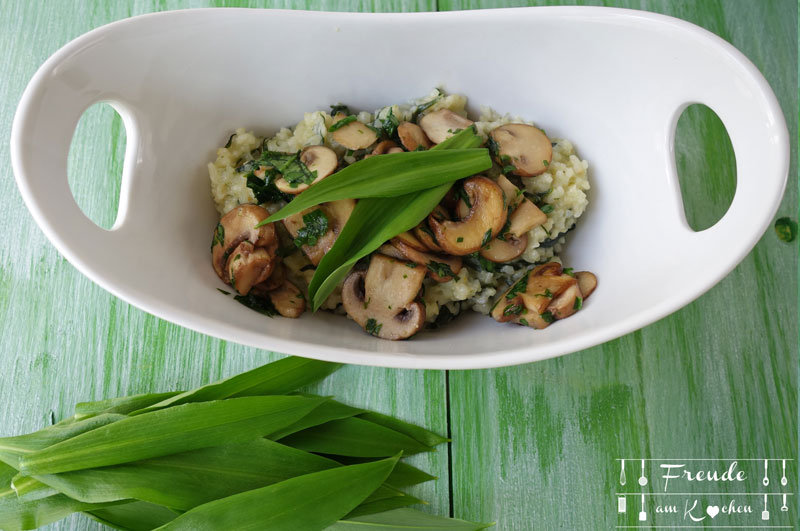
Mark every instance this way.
x=311 y=501
x=168 y=431
x=390 y=175
x=276 y=378
x=405 y=520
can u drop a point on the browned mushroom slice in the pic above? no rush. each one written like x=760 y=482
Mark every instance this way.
x=543 y=289
x=549 y=268
x=355 y=135
x=524 y=147
x=249 y=265
x=382 y=299
x=501 y=251
x=411 y=240
x=237 y=226
x=567 y=303
x=383 y=147
x=442 y=124
x=274 y=281
x=587 y=282
x=512 y=194
x=288 y=300
x=320 y=159
x=440 y=268
x=412 y=136
x=395 y=150
x=525 y=217
x=485 y=218
x=336 y=212
x=425 y=235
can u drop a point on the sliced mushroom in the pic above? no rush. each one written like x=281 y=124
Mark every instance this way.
x=411 y=240
x=442 y=124
x=382 y=299
x=485 y=218
x=425 y=236
x=512 y=194
x=538 y=299
x=355 y=135
x=395 y=150
x=237 y=226
x=337 y=213
x=274 y=281
x=288 y=300
x=567 y=303
x=501 y=251
x=249 y=265
x=525 y=217
x=587 y=282
x=412 y=136
x=320 y=159
x=524 y=147
x=383 y=147
x=438 y=267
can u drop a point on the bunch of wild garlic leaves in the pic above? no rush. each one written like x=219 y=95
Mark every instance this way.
x=245 y=453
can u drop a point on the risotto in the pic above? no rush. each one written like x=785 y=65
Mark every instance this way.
x=556 y=191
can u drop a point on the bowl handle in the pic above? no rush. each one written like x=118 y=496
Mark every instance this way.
x=43 y=127
x=755 y=124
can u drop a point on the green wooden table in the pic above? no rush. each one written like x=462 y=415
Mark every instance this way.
x=534 y=446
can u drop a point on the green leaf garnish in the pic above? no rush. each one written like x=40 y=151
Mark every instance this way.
x=547 y=317
x=578 y=303
x=391 y=175
x=341 y=123
x=373 y=327
x=442 y=269
x=316 y=225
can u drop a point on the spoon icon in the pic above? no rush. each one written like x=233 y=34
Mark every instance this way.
x=642 y=479
x=783 y=479
x=622 y=472
x=765 y=481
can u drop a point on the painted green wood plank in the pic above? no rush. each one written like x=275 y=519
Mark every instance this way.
x=64 y=339
x=534 y=446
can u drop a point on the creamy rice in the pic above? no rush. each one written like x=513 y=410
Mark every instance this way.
x=563 y=186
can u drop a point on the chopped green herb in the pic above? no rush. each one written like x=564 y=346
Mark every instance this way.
x=513 y=309
x=425 y=106
x=339 y=108
x=506 y=227
x=219 y=236
x=373 y=327
x=262 y=305
x=366 y=303
x=459 y=239
x=578 y=303
x=228 y=143
x=389 y=124
x=289 y=166
x=509 y=168
x=547 y=317
x=341 y=123
x=412 y=265
x=786 y=229
x=486 y=238
x=546 y=163
x=316 y=225
x=519 y=287
x=265 y=190
x=567 y=271
x=223 y=291
x=546 y=208
x=524 y=321
x=462 y=194
x=427 y=230
x=546 y=294
x=494 y=149
x=443 y=270
x=405 y=276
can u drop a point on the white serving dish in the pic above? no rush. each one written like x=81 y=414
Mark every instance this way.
x=613 y=81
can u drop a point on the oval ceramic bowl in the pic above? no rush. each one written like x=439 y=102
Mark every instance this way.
x=613 y=81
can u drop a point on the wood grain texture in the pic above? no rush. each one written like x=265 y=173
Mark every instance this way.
x=534 y=446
